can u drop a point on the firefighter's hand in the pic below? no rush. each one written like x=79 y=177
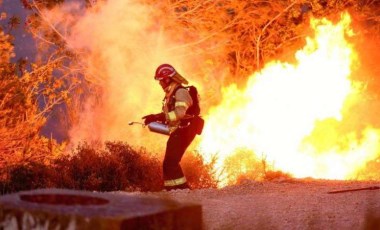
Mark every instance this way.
x=148 y=118
x=153 y=117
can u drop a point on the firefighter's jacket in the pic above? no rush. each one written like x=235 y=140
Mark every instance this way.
x=175 y=104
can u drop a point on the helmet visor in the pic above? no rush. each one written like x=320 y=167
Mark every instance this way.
x=159 y=78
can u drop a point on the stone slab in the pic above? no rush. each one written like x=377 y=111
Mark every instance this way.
x=72 y=209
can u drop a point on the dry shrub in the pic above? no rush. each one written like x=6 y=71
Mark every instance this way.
x=243 y=165
x=371 y=171
x=198 y=173
x=276 y=176
x=117 y=167
x=27 y=176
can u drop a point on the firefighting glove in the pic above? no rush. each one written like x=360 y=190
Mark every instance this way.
x=154 y=117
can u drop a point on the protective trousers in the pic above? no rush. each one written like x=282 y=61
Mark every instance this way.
x=176 y=146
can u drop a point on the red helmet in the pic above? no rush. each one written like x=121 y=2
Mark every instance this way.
x=164 y=71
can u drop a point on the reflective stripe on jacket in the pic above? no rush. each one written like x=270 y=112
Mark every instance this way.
x=176 y=107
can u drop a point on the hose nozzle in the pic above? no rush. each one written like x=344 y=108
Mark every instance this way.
x=136 y=122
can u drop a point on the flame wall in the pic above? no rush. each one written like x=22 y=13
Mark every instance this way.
x=298 y=114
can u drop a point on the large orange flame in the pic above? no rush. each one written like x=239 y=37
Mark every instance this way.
x=282 y=105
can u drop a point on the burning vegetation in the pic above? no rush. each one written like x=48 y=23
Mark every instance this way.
x=288 y=89
x=296 y=113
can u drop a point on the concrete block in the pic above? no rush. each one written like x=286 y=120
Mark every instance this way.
x=72 y=209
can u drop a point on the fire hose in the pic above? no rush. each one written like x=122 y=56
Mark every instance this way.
x=156 y=127
x=354 y=189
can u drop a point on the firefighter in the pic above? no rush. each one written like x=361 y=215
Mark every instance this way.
x=175 y=113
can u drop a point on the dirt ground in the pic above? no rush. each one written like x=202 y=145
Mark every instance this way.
x=288 y=204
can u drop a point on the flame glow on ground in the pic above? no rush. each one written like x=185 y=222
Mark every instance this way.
x=280 y=107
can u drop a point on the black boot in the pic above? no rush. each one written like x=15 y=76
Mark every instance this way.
x=181 y=186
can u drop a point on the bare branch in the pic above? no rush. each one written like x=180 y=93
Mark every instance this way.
x=264 y=29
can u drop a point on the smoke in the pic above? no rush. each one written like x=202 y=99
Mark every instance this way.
x=120 y=44
x=123 y=48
